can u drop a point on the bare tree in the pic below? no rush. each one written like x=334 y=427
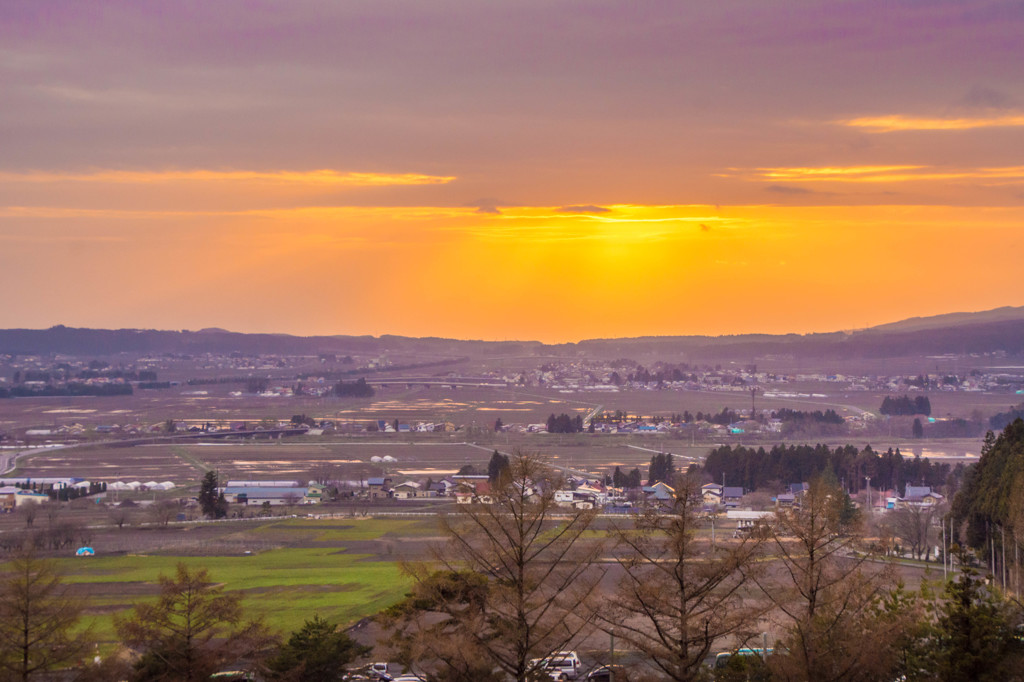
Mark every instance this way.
x=515 y=582
x=54 y=512
x=913 y=526
x=63 y=534
x=85 y=533
x=830 y=596
x=325 y=472
x=291 y=499
x=679 y=595
x=163 y=512
x=120 y=516
x=29 y=510
x=38 y=619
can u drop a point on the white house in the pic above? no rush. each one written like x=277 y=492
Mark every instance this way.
x=407 y=490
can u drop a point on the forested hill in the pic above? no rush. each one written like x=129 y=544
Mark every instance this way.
x=992 y=497
x=959 y=333
x=78 y=341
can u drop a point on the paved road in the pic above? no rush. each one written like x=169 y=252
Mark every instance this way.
x=9 y=459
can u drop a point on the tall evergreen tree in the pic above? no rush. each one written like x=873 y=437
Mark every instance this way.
x=661 y=469
x=992 y=487
x=497 y=466
x=209 y=495
x=316 y=653
x=974 y=638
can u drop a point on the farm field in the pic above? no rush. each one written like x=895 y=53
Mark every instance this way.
x=417 y=456
x=467 y=406
x=473 y=408
x=342 y=570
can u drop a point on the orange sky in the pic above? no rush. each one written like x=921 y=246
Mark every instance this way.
x=533 y=173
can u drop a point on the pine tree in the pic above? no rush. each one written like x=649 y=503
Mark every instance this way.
x=208 y=494
x=316 y=653
x=974 y=639
x=497 y=466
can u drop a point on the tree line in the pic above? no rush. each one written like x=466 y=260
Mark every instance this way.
x=68 y=389
x=564 y=423
x=990 y=504
x=1001 y=420
x=829 y=416
x=631 y=479
x=661 y=469
x=758 y=468
x=904 y=406
x=356 y=389
x=97 y=370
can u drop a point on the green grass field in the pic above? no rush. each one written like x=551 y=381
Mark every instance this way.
x=286 y=586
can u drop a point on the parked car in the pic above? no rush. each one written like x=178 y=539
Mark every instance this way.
x=561 y=665
x=605 y=672
x=722 y=659
x=374 y=671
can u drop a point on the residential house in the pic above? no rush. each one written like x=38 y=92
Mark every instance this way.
x=731 y=495
x=596 y=491
x=7 y=493
x=659 y=492
x=315 y=493
x=408 y=490
x=793 y=495
x=473 y=490
x=919 y=496
x=746 y=520
x=711 y=493
x=378 y=488
x=563 y=498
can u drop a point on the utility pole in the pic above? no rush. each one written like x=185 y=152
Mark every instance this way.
x=944 y=552
x=867 y=479
x=1002 y=530
x=611 y=653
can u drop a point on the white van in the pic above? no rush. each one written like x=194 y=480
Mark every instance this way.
x=561 y=665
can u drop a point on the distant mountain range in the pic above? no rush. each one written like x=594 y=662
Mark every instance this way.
x=1001 y=329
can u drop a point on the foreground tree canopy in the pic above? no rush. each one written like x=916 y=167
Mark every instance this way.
x=38 y=620
x=679 y=594
x=191 y=630
x=317 y=652
x=513 y=583
x=992 y=497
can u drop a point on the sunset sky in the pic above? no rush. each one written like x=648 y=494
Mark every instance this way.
x=529 y=169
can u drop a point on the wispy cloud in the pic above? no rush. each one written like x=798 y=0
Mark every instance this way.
x=898 y=123
x=873 y=174
x=615 y=225
x=589 y=208
x=829 y=172
x=787 y=189
x=318 y=178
